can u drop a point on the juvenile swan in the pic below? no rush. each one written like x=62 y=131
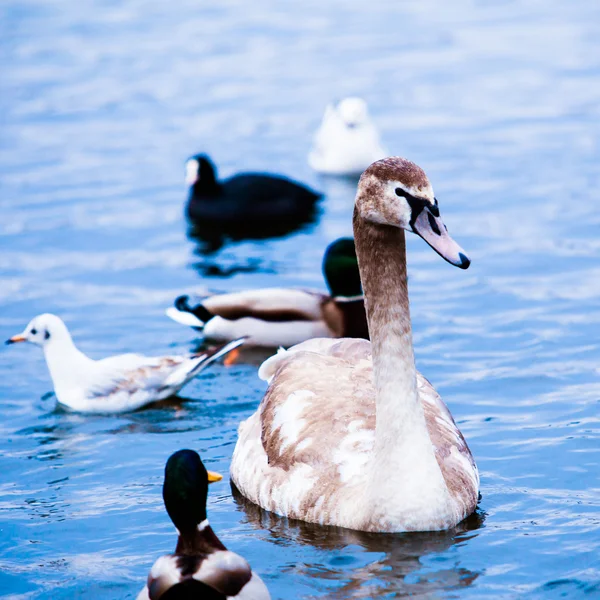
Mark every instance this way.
x=349 y=433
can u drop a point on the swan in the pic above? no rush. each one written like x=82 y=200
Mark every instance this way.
x=349 y=433
x=347 y=141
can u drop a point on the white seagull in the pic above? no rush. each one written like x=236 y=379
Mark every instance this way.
x=115 y=384
x=347 y=141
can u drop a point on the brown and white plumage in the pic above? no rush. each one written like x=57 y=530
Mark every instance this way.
x=213 y=575
x=201 y=566
x=349 y=433
x=115 y=384
x=274 y=317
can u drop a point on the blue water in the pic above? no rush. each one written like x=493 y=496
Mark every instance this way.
x=100 y=104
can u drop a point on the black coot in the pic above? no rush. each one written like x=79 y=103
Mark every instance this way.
x=249 y=198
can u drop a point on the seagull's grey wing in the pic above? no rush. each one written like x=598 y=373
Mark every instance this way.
x=134 y=373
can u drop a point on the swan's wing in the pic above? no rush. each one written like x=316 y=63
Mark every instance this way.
x=348 y=349
x=269 y=304
x=451 y=450
x=312 y=434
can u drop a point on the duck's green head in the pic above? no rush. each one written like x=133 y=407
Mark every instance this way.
x=340 y=268
x=185 y=489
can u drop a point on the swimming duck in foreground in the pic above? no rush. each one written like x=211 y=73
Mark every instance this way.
x=201 y=566
x=116 y=384
x=251 y=198
x=348 y=432
x=347 y=141
x=282 y=316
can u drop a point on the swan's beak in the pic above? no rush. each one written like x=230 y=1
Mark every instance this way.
x=16 y=338
x=214 y=477
x=432 y=229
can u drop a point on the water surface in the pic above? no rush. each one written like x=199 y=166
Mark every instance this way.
x=101 y=103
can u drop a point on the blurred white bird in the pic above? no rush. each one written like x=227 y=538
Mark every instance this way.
x=347 y=141
x=116 y=384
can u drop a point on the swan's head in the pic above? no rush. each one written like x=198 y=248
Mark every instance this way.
x=353 y=111
x=199 y=168
x=396 y=192
x=41 y=330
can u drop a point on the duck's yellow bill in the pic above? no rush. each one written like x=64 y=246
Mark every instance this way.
x=213 y=477
x=16 y=338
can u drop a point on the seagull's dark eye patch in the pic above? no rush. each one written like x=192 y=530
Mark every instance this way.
x=400 y=192
x=33 y=331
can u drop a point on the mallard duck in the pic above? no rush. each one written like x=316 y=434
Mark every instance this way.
x=251 y=198
x=349 y=433
x=201 y=566
x=116 y=384
x=347 y=141
x=282 y=316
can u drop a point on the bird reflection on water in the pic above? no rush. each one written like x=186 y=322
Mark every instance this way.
x=211 y=236
x=397 y=570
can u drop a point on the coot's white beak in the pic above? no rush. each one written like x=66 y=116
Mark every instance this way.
x=191 y=171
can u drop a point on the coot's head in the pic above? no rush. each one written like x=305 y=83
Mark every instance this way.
x=199 y=169
x=340 y=269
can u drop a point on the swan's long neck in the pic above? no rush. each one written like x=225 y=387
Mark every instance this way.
x=381 y=251
x=403 y=461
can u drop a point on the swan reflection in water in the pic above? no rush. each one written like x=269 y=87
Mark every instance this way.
x=397 y=570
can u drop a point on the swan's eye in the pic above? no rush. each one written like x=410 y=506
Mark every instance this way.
x=33 y=331
x=401 y=192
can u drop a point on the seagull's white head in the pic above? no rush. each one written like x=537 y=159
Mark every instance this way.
x=41 y=330
x=353 y=111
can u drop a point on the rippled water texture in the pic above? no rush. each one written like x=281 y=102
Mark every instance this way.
x=102 y=101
